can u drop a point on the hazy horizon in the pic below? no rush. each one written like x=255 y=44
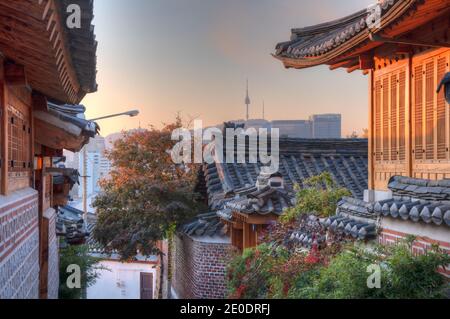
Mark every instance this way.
x=193 y=57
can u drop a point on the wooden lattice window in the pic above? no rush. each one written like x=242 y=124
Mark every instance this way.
x=390 y=116
x=431 y=140
x=19 y=135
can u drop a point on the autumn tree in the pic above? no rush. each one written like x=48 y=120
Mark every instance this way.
x=146 y=194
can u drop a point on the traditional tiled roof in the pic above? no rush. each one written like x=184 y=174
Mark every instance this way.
x=71 y=225
x=59 y=59
x=420 y=188
x=263 y=201
x=417 y=200
x=74 y=114
x=347 y=37
x=233 y=187
x=68 y=125
x=319 y=39
x=308 y=233
x=205 y=225
x=357 y=228
x=355 y=207
x=82 y=44
x=345 y=159
x=61 y=175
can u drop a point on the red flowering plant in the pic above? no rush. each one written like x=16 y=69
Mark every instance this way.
x=249 y=274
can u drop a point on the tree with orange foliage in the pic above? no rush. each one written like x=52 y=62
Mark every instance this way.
x=146 y=194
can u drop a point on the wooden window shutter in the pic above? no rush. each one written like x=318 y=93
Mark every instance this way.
x=418 y=112
x=386 y=118
x=430 y=90
x=378 y=120
x=402 y=116
x=394 y=124
x=441 y=111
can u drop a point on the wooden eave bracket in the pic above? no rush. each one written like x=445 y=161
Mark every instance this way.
x=377 y=38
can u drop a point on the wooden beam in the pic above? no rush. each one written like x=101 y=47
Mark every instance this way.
x=378 y=38
x=371 y=180
x=50 y=152
x=15 y=74
x=366 y=62
x=261 y=219
x=353 y=68
x=4 y=131
x=342 y=64
x=237 y=238
x=39 y=102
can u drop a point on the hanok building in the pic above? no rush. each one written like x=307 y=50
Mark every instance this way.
x=45 y=69
x=243 y=203
x=403 y=47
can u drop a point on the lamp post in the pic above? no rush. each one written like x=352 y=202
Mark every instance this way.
x=132 y=113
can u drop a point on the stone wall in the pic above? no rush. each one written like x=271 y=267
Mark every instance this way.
x=199 y=267
x=53 y=258
x=19 y=245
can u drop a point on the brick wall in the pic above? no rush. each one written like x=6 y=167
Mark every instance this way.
x=19 y=245
x=199 y=267
x=421 y=244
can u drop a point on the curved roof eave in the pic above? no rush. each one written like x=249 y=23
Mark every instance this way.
x=329 y=42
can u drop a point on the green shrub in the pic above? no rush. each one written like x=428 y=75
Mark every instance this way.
x=319 y=195
x=403 y=275
x=77 y=255
x=268 y=272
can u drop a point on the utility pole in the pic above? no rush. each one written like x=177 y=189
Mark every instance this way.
x=132 y=113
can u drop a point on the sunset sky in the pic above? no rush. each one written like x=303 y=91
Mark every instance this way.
x=193 y=57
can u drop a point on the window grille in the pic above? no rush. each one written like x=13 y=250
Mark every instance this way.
x=19 y=132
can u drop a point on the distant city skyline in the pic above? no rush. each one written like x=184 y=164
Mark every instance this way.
x=196 y=56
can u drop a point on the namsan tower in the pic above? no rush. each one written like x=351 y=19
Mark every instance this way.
x=247 y=103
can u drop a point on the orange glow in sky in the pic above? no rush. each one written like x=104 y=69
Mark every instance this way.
x=194 y=56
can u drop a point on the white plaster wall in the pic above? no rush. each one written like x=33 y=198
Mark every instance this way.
x=439 y=233
x=120 y=281
x=376 y=196
x=212 y=239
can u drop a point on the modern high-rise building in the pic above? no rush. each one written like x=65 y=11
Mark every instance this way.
x=294 y=128
x=326 y=125
x=97 y=167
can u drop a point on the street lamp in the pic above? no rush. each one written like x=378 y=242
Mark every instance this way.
x=132 y=113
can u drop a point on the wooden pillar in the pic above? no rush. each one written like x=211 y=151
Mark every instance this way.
x=250 y=235
x=409 y=118
x=237 y=238
x=371 y=132
x=4 y=129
